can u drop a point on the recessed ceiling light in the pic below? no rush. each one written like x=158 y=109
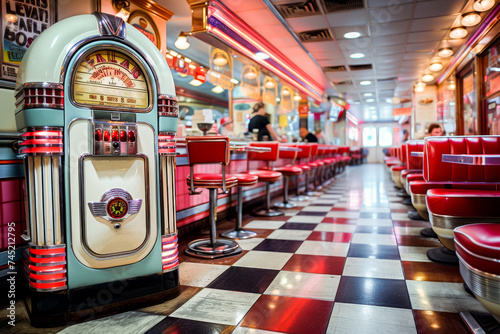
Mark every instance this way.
x=427 y=77
x=368 y=94
x=419 y=89
x=352 y=35
x=445 y=52
x=435 y=67
x=234 y=81
x=483 y=5
x=365 y=83
x=370 y=100
x=261 y=55
x=470 y=19
x=420 y=84
x=357 y=55
x=458 y=32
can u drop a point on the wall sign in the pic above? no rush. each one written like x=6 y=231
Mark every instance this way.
x=22 y=22
x=145 y=24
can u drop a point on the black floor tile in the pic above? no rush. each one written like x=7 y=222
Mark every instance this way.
x=373 y=291
x=276 y=245
x=374 y=251
x=374 y=229
x=176 y=325
x=375 y=215
x=298 y=226
x=253 y=280
x=322 y=204
x=309 y=213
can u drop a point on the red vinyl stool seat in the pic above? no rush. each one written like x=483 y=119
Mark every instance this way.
x=244 y=180
x=302 y=156
x=288 y=172
x=219 y=154
x=478 y=251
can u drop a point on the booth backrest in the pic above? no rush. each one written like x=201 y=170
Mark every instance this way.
x=414 y=146
x=288 y=154
x=216 y=146
x=403 y=153
x=306 y=151
x=437 y=171
x=314 y=149
x=265 y=156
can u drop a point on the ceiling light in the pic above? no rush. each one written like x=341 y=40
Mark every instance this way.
x=187 y=60
x=471 y=19
x=269 y=85
x=195 y=83
x=217 y=89
x=458 y=32
x=370 y=100
x=220 y=60
x=372 y=108
x=445 y=52
x=297 y=98
x=261 y=55
x=419 y=89
x=451 y=86
x=191 y=66
x=368 y=94
x=250 y=75
x=278 y=99
x=435 y=67
x=357 y=55
x=182 y=43
x=173 y=53
x=483 y=5
x=365 y=83
x=285 y=92
x=389 y=100
x=234 y=81
x=352 y=35
x=420 y=84
x=427 y=77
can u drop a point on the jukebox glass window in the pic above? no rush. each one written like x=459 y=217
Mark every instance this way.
x=110 y=79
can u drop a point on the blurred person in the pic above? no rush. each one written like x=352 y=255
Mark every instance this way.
x=260 y=122
x=307 y=136
x=226 y=127
x=319 y=134
x=434 y=129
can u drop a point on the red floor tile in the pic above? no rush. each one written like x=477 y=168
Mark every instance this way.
x=330 y=236
x=406 y=240
x=315 y=264
x=438 y=322
x=334 y=220
x=431 y=271
x=288 y=315
x=411 y=223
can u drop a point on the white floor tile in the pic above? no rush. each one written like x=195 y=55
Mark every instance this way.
x=304 y=285
x=415 y=254
x=376 y=210
x=246 y=330
x=405 y=230
x=374 y=222
x=374 y=239
x=399 y=216
x=199 y=274
x=217 y=306
x=327 y=227
x=323 y=248
x=367 y=319
x=374 y=268
x=400 y=206
x=441 y=297
x=291 y=212
x=343 y=214
x=319 y=208
x=264 y=260
x=289 y=234
x=249 y=244
x=264 y=224
x=331 y=197
x=396 y=199
x=325 y=201
x=305 y=219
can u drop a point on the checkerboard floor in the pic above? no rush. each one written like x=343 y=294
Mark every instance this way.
x=348 y=262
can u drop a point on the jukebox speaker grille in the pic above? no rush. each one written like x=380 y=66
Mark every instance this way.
x=40 y=95
x=168 y=106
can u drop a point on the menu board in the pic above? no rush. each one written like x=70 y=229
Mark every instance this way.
x=109 y=78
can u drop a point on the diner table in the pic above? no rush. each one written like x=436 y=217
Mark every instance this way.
x=472 y=159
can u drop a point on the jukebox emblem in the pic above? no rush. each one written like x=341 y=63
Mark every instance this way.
x=116 y=205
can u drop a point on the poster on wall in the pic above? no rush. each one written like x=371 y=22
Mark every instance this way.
x=22 y=23
x=145 y=24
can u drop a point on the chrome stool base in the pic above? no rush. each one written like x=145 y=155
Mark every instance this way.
x=238 y=234
x=287 y=205
x=442 y=255
x=205 y=249
x=267 y=213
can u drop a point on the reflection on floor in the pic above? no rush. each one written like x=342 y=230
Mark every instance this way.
x=348 y=261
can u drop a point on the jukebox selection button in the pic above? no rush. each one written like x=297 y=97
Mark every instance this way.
x=117 y=208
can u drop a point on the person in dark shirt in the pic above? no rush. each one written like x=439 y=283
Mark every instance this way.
x=261 y=122
x=307 y=136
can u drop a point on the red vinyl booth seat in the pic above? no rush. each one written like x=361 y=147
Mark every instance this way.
x=411 y=161
x=479 y=246
x=463 y=202
x=422 y=187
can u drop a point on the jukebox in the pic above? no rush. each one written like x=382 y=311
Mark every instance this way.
x=95 y=101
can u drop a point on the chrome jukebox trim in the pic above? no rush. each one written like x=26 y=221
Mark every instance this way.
x=418 y=199
x=83 y=206
x=110 y=25
x=451 y=222
x=483 y=284
x=20 y=94
x=168 y=195
x=140 y=63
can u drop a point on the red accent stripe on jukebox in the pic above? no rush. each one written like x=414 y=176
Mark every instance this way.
x=169 y=252
x=45 y=267
x=166 y=144
x=42 y=142
x=168 y=106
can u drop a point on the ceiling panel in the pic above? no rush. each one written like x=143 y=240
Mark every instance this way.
x=340 y=31
x=422 y=56
x=329 y=46
x=423 y=46
x=432 y=23
x=384 y=15
x=334 y=57
x=389 y=40
x=260 y=17
x=391 y=28
x=426 y=36
x=384 y=3
x=437 y=8
x=338 y=76
x=348 y=18
x=384 y=50
x=306 y=23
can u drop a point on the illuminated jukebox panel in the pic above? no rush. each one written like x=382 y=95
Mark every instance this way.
x=99 y=150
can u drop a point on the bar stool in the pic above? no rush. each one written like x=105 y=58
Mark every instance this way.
x=288 y=172
x=268 y=176
x=244 y=180
x=218 y=147
x=303 y=154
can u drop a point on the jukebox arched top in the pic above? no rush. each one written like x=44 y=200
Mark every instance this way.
x=59 y=43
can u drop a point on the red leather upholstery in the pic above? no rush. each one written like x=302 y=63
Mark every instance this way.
x=245 y=180
x=289 y=170
x=463 y=202
x=312 y=165
x=435 y=147
x=314 y=149
x=266 y=156
x=305 y=153
x=414 y=146
x=392 y=163
x=415 y=177
x=266 y=176
x=479 y=246
x=211 y=181
x=422 y=186
x=197 y=148
x=305 y=168
x=403 y=153
x=398 y=168
x=288 y=154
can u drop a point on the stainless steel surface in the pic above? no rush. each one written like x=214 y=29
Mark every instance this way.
x=471 y=323
x=472 y=159
x=451 y=222
x=212 y=194
x=168 y=202
x=483 y=284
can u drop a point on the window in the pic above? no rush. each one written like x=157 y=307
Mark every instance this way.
x=369 y=136
x=385 y=136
